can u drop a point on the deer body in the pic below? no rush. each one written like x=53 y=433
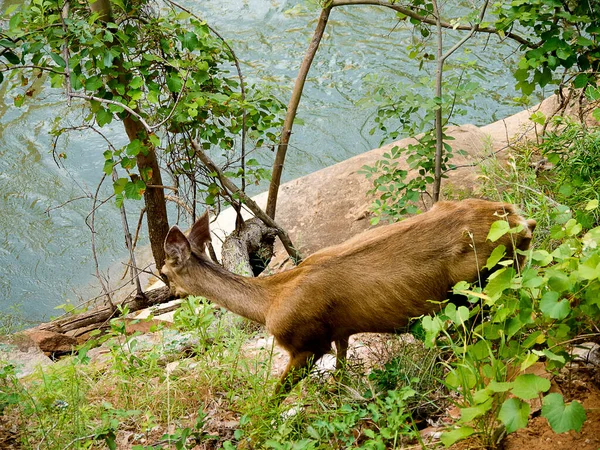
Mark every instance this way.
x=375 y=282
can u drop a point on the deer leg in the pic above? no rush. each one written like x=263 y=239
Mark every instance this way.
x=341 y=346
x=297 y=368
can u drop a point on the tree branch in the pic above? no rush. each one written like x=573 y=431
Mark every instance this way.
x=258 y=212
x=147 y=127
x=291 y=111
x=432 y=21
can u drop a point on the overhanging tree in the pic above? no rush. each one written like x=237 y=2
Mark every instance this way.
x=172 y=81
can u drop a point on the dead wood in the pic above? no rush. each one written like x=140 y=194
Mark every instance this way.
x=78 y=324
x=248 y=251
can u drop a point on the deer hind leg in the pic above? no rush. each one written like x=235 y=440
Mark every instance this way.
x=341 y=347
x=298 y=367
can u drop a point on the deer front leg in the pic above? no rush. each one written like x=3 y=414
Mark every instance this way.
x=298 y=367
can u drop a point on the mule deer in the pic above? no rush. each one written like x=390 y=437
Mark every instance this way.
x=374 y=282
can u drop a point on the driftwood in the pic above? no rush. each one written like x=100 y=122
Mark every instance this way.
x=77 y=325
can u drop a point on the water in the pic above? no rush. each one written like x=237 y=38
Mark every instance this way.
x=45 y=251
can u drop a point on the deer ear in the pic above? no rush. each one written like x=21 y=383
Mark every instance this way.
x=177 y=246
x=200 y=234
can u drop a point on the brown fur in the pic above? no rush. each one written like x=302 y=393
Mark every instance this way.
x=375 y=282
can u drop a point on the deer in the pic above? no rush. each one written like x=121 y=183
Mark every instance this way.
x=374 y=282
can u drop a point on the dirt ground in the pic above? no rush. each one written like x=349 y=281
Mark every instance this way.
x=583 y=385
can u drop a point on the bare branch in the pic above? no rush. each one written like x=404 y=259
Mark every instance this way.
x=258 y=212
x=90 y=225
x=180 y=202
x=432 y=21
x=147 y=127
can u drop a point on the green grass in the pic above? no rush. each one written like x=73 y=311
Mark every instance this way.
x=198 y=383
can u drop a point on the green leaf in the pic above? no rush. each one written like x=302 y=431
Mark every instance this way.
x=468 y=414
x=560 y=417
x=135 y=190
x=541 y=257
x=558 y=281
x=119 y=185
x=497 y=254
x=529 y=360
x=528 y=386
x=136 y=83
x=154 y=139
x=108 y=166
x=104 y=117
x=174 y=83
x=93 y=83
x=553 y=308
x=592 y=204
x=499 y=386
x=580 y=80
x=15 y=21
x=590 y=269
x=58 y=59
x=450 y=437
x=134 y=147
x=500 y=281
x=514 y=414
x=498 y=229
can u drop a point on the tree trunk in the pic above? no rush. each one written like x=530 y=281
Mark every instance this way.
x=156 y=207
x=286 y=132
x=248 y=251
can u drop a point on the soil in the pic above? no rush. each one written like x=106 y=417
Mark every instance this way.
x=581 y=384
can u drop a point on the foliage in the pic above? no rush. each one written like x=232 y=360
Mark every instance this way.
x=158 y=65
x=574 y=153
x=405 y=112
x=530 y=316
x=556 y=35
x=567 y=38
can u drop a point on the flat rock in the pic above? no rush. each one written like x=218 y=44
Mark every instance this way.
x=22 y=352
x=51 y=342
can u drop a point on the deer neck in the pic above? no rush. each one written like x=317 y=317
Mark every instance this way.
x=244 y=296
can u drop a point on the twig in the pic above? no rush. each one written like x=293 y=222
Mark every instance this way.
x=413 y=15
x=90 y=225
x=160 y=186
x=179 y=95
x=181 y=203
x=258 y=212
x=129 y=243
x=147 y=127
x=51 y=208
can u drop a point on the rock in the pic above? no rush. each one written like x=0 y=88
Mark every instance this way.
x=22 y=352
x=51 y=342
x=588 y=352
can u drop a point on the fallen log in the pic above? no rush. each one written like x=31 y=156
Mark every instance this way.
x=97 y=318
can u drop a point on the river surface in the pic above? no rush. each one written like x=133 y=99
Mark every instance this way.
x=45 y=256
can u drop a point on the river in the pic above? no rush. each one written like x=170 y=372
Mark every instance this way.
x=45 y=249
